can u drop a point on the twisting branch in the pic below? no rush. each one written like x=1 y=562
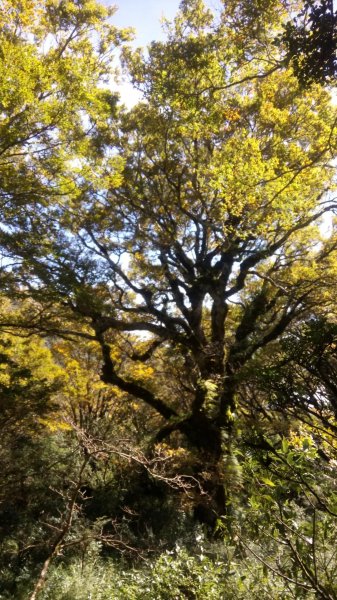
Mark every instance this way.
x=110 y=376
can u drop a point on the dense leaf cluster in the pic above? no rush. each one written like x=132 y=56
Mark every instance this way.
x=311 y=41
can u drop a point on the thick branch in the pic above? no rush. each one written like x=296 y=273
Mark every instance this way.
x=109 y=375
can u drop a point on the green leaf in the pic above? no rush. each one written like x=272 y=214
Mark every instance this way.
x=268 y=482
x=285 y=445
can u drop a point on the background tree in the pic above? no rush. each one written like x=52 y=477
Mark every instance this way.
x=311 y=42
x=56 y=59
x=304 y=32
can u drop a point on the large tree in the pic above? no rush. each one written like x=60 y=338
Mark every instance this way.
x=190 y=241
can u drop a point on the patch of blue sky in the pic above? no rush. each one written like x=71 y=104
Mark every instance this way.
x=146 y=17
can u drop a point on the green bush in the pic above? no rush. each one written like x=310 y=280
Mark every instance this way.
x=175 y=575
